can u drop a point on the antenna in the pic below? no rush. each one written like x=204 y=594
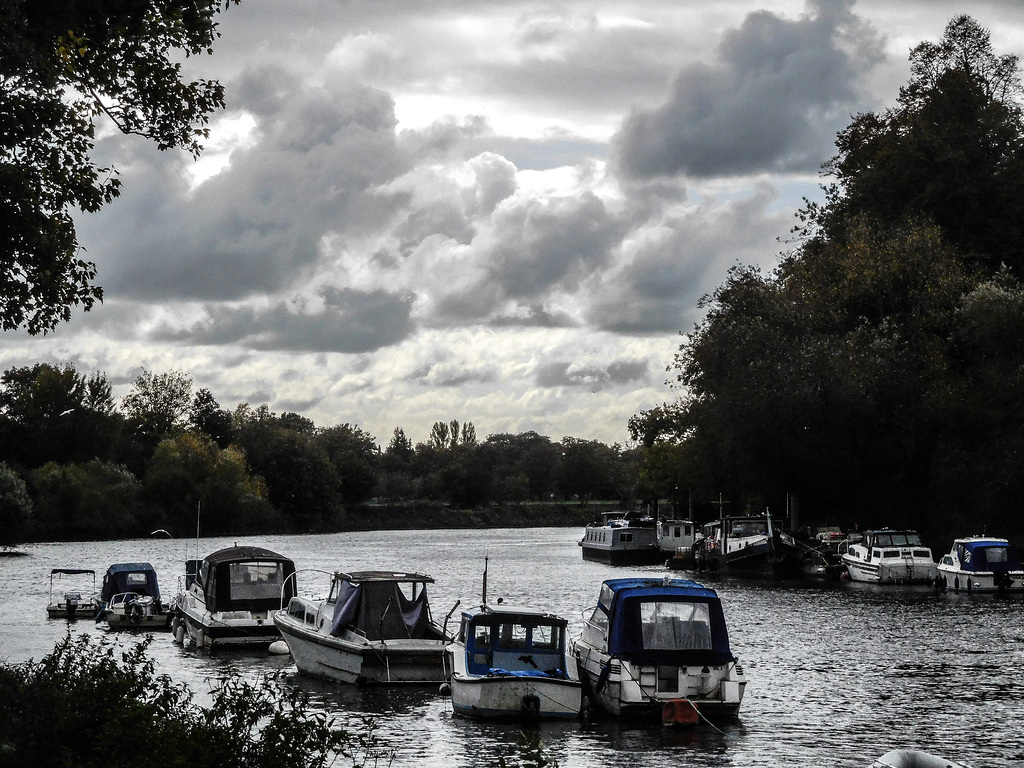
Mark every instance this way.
x=485 y=579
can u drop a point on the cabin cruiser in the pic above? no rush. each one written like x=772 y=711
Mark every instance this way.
x=374 y=627
x=658 y=647
x=982 y=564
x=622 y=539
x=130 y=598
x=70 y=602
x=230 y=596
x=889 y=557
x=751 y=544
x=510 y=663
x=677 y=539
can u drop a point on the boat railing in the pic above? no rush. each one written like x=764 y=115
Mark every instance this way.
x=293 y=577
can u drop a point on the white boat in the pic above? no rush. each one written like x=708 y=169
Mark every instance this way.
x=676 y=540
x=130 y=598
x=622 y=539
x=982 y=564
x=230 y=596
x=659 y=647
x=889 y=557
x=75 y=601
x=510 y=663
x=753 y=545
x=374 y=627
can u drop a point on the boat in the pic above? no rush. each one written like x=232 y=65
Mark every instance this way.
x=821 y=556
x=629 y=538
x=913 y=758
x=677 y=539
x=130 y=598
x=659 y=647
x=981 y=564
x=230 y=596
x=71 y=603
x=750 y=545
x=510 y=663
x=889 y=557
x=374 y=627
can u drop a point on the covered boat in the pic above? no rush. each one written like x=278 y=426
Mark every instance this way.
x=619 y=538
x=75 y=594
x=510 y=663
x=232 y=597
x=749 y=545
x=130 y=598
x=374 y=627
x=889 y=557
x=982 y=564
x=659 y=647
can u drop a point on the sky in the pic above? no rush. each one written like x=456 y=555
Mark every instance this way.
x=504 y=213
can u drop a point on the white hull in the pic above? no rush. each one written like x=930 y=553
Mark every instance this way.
x=890 y=572
x=957 y=580
x=355 y=660
x=225 y=628
x=509 y=697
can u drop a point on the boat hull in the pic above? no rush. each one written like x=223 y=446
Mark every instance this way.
x=238 y=629
x=890 y=573
x=358 y=661
x=117 y=620
x=619 y=556
x=957 y=580
x=507 y=697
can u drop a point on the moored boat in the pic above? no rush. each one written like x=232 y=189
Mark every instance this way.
x=620 y=538
x=230 y=599
x=677 y=541
x=511 y=663
x=659 y=647
x=374 y=627
x=749 y=545
x=76 y=601
x=130 y=598
x=982 y=564
x=889 y=557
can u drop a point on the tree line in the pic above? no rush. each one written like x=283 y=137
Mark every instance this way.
x=76 y=464
x=876 y=376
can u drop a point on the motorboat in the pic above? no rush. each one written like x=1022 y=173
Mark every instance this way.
x=749 y=545
x=659 y=647
x=130 y=598
x=821 y=556
x=622 y=539
x=677 y=540
x=511 y=663
x=913 y=758
x=230 y=596
x=374 y=627
x=889 y=557
x=981 y=564
x=74 y=601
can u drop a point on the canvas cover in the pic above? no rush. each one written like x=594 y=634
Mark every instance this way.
x=246 y=579
x=139 y=578
x=631 y=603
x=380 y=610
x=978 y=556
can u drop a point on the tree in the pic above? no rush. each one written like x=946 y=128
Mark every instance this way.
x=158 y=403
x=64 y=66
x=209 y=418
x=355 y=456
x=15 y=507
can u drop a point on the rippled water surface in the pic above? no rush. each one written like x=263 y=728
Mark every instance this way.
x=838 y=673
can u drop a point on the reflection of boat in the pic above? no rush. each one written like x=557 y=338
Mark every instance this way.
x=676 y=539
x=622 y=539
x=511 y=663
x=231 y=596
x=913 y=758
x=749 y=545
x=71 y=603
x=659 y=647
x=982 y=564
x=130 y=597
x=367 y=631
x=889 y=557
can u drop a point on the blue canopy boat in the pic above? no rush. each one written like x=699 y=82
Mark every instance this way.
x=659 y=646
x=130 y=598
x=982 y=564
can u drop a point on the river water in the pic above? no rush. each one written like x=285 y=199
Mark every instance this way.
x=838 y=673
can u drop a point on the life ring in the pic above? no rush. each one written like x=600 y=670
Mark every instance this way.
x=134 y=611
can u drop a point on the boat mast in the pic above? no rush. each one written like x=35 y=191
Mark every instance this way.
x=485 y=580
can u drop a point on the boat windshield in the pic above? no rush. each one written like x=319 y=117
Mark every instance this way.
x=256 y=580
x=996 y=555
x=898 y=540
x=740 y=528
x=675 y=626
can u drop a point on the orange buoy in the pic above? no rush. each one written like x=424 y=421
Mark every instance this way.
x=679 y=712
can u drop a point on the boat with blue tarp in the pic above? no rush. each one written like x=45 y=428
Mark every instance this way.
x=982 y=564
x=130 y=598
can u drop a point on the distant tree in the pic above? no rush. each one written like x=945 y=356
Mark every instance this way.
x=158 y=403
x=65 y=68
x=355 y=456
x=15 y=507
x=588 y=470
x=209 y=418
x=94 y=500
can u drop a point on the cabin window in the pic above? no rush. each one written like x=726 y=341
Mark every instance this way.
x=136 y=580
x=297 y=610
x=625 y=537
x=675 y=626
x=947 y=560
x=599 y=619
x=256 y=581
x=891 y=553
x=668 y=679
x=546 y=638
x=995 y=555
x=923 y=553
x=876 y=553
x=513 y=636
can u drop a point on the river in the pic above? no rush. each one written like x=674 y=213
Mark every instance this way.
x=838 y=673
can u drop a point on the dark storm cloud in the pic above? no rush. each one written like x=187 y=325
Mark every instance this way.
x=566 y=374
x=771 y=101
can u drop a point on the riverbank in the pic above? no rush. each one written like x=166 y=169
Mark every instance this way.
x=425 y=515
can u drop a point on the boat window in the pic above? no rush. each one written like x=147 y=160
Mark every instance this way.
x=947 y=560
x=546 y=638
x=482 y=636
x=923 y=553
x=675 y=626
x=914 y=539
x=297 y=610
x=513 y=636
x=876 y=553
x=748 y=528
x=136 y=579
x=668 y=679
x=891 y=553
x=599 y=619
x=256 y=581
x=625 y=537
x=995 y=555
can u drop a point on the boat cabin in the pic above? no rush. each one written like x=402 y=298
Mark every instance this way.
x=245 y=579
x=885 y=545
x=518 y=641
x=130 y=578
x=981 y=555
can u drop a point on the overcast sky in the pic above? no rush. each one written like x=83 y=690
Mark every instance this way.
x=498 y=212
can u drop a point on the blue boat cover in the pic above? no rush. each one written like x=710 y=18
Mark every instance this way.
x=380 y=611
x=139 y=578
x=626 y=601
x=988 y=555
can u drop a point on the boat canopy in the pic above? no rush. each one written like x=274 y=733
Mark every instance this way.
x=672 y=622
x=246 y=579
x=987 y=555
x=72 y=571
x=139 y=578
x=373 y=604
